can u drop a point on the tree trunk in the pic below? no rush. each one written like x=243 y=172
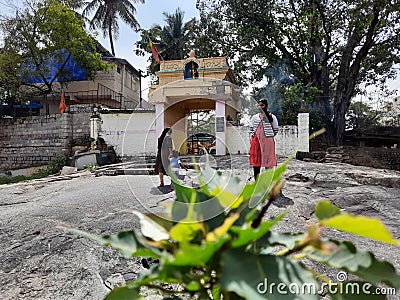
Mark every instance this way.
x=349 y=71
x=319 y=69
x=339 y=122
x=111 y=40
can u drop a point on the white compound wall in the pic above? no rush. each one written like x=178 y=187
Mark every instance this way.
x=134 y=134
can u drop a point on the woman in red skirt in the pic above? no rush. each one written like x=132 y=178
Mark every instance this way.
x=263 y=126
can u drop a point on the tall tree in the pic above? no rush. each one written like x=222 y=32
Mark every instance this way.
x=172 y=40
x=106 y=16
x=332 y=45
x=10 y=80
x=43 y=38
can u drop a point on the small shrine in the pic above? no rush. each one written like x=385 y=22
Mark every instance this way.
x=195 y=84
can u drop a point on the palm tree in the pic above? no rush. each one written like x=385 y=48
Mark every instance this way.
x=107 y=13
x=173 y=38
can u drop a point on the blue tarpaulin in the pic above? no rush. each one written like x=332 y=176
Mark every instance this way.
x=31 y=105
x=72 y=71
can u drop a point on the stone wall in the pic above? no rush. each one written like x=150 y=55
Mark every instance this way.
x=35 y=141
x=386 y=158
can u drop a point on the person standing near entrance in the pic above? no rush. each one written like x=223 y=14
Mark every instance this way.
x=263 y=128
x=165 y=146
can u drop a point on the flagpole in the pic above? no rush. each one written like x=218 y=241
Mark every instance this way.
x=153 y=46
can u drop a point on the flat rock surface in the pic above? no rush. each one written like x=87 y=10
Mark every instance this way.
x=41 y=258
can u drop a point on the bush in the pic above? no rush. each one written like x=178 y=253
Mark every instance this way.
x=53 y=167
x=216 y=243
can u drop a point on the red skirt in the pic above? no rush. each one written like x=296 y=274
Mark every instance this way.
x=262 y=150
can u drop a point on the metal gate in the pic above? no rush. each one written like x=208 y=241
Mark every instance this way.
x=201 y=132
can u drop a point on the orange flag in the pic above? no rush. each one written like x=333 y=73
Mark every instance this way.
x=155 y=52
x=62 y=106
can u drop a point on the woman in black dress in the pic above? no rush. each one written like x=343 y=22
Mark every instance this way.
x=164 y=153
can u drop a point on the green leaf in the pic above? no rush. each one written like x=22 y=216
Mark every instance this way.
x=325 y=210
x=124 y=293
x=130 y=243
x=162 y=218
x=331 y=216
x=259 y=190
x=193 y=286
x=257 y=276
x=206 y=208
x=371 y=228
x=223 y=229
x=184 y=196
x=216 y=292
x=166 y=273
x=195 y=255
x=226 y=189
x=184 y=232
x=247 y=235
x=150 y=228
x=345 y=256
x=187 y=229
x=289 y=240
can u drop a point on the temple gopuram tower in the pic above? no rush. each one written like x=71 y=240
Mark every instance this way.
x=195 y=84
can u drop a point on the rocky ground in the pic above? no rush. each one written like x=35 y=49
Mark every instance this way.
x=41 y=259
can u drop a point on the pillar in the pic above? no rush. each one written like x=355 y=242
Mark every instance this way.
x=220 y=127
x=159 y=119
x=303 y=141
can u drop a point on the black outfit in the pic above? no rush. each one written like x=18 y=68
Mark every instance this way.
x=163 y=152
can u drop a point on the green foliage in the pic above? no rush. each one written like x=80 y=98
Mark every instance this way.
x=92 y=166
x=53 y=167
x=361 y=116
x=45 y=35
x=9 y=79
x=368 y=227
x=57 y=164
x=299 y=99
x=330 y=45
x=171 y=40
x=107 y=13
x=15 y=179
x=215 y=242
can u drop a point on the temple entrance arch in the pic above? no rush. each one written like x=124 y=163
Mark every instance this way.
x=175 y=98
x=188 y=119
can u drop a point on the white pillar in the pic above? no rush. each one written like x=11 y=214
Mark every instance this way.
x=220 y=127
x=303 y=141
x=122 y=79
x=95 y=128
x=159 y=119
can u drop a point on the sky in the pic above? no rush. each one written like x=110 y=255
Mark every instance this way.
x=147 y=14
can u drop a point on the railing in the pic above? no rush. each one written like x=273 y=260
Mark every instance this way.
x=41 y=105
x=14 y=110
x=102 y=95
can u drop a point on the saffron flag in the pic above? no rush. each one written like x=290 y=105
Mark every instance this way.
x=62 y=106
x=155 y=52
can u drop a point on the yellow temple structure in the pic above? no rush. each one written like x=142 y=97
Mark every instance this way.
x=195 y=84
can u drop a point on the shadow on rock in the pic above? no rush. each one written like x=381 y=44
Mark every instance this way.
x=160 y=190
x=283 y=201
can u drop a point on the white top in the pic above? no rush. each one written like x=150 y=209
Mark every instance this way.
x=270 y=129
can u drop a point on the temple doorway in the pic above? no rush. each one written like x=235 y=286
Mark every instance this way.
x=201 y=132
